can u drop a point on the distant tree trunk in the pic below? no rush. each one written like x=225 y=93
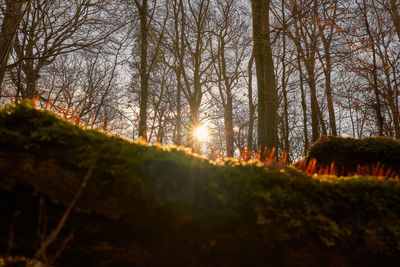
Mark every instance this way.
x=329 y=94
x=144 y=75
x=304 y=106
x=251 y=104
x=314 y=106
x=283 y=82
x=267 y=91
x=227 y=93
x=229 y=135
x=300 y=58
x=12 y=18
x=308 y=57
x=179 y=26
x=327 y=65
x=378 y=108
x=309 y=65
x=376 y=91
x=178 y=110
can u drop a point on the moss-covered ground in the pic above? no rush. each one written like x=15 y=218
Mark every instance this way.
x=134 y=180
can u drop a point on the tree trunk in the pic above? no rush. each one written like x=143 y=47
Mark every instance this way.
x=229 y=135
x=12 y=18
x=375 y=75
x=267 y=91
x=314 y=109
x=178 y=110
x=144 y=76
x=329 y=95
x=283 y=81
x=179 y=50
x=251 y=105
x=304 y=106
x=32 y=77
x=327 y=65
x=316 y=114
x=193 y=123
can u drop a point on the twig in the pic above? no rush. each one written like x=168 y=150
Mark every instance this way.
x=62 y=247
x=53 y=235
x=11 y=232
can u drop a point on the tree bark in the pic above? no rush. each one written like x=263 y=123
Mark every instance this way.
x=229 y=135
x=144 y=76
x=283 y=82
x=267 y=91
x=251 y=105
x=327 y=65
x=12 y=18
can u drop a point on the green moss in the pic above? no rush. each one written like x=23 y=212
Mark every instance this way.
x=133 y=180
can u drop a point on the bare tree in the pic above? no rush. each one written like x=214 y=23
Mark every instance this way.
x=52 y=28
x=232 y=48
x=149 y=51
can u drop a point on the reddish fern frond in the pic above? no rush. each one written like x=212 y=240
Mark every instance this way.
x=310 y=168
x=245 y=154
x=283 y=158
x=332 y=169
x=378 y=169
x=92 y=122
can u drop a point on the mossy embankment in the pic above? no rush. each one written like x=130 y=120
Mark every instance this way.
x=162 y=206
x=379 y=155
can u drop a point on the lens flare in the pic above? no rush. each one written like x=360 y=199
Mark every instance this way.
x=200 y=133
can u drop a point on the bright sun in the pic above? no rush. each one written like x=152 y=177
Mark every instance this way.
x=201 y=133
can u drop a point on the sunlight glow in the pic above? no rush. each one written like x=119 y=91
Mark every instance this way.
x=200 y=133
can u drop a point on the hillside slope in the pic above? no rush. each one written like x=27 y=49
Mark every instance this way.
x=162 y=206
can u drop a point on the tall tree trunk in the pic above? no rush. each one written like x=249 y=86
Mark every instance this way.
x=228 y=105
x=283 y=81
x=327 y=65
x=329 y=94
x=179 y=50
x=314 y=107
x=267 y=91
x=376 y=91
x=144 y=75
x=374 y=74
x=12 y=18
x=303 y=105
x=178 y=110
x=251 y=104
x=316 y=114
x=300 y=58
x=391 y=102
